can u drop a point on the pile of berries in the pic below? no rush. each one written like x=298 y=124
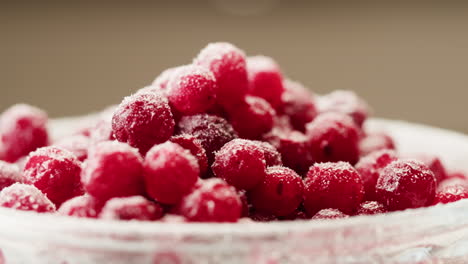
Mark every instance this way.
x=223 y=138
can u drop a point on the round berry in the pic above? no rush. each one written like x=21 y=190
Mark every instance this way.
x=451 y=194
x=191 y=89
x=54 y=171
x=22 y=130
x=253 y=118
x=212 y=200
x=434 y=164
x=272 y=156
x=329 y=213
x=371 y=208
x=25 y=198
x=373 y=142
x=345 y=102
x=84 y=206
x=241 y=163
x=334 y=137
x=265 y=79
x=143 y=120
x=113 y=169
x=405 y=184
x=298 y=104
x=228 y=64
x=161 y=82
x=9 y=174
x=332 y=185
x=369 y=168
x=131 y=208
x=170 y=172
x=280 y=192
x=196 y=149
x=77 y=144
x=212 y=132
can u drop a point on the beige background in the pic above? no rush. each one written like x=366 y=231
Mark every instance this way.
x=409 y=61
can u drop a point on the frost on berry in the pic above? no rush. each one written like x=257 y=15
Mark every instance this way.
x=451 y=193
x=434 y=164
x=272 y=156
x=253 y=118
x=241 y=163
x=9 y=174
x=211 y=200
x=113 y=169
x=131 y=208
x=329 y=213
x=332 y=185
x=143 y=120
x=170 y=172
x=345 y=102
x=160 y=83
x=196 y=149
x=76 y=144
x=405 y=184
x=54 y=171
x=25 y=198
x=371 y=208
x=81 y=206
x=376 y=141
x=22 y=130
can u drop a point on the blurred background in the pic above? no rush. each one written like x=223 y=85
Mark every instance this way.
x=408 y=59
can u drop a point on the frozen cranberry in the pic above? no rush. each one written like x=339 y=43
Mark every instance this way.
x=434 y=164
x=371 y=208
x=294 y=148
x=212 y=200
x=253 y=118
x=143 y=120
x=170 y=172
x=280 y=192
x=191 y=89
x=212 y=131
x=22 y=130
x=265 y=79
x=345 y=102
x=54 y=171
x=451 y=194
x=81 y=206
x=329 y=213
x=369 y=168
x=374 y=142
x=405 y=184
x=25 y=198
x=77 y=144
x=334 y=137
x=131 y=208
x=241 y=163
x=9 y=174
x=272 y=156
x=332 y=185
x=160 y=83
x=196 y=149
x=228 y=65
x=298 y=104
x=113 y=169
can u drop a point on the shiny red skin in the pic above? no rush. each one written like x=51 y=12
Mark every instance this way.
x=196 y=149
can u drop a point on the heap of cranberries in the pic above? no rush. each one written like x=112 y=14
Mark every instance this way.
x=225 y=137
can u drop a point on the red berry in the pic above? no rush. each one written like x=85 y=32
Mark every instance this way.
x=298 y=104
x=22 y=130
x=272 y=156
x=212 y=200
x=369 y=168
x=196 y=149
x=191 y=89
x=334 y=137
x=371 y=208
x=131 y=208
x=241 y=163
x=170 y=172
x=405 y=184
x=434 y=164
x=56 y=172
x=451 y=194
x=262 y=217
x=113 y=169
x=160 y=83
x=332 y=185
x=143 y=120
x=77 y=144
x=374 y=142
x=280 y=192
x=329 y=213
x=81 y=206
x=253 y=118
x=212 y=132
x=265 y=79
x=228 y=65
x=9 y=174
x=345 y=102
x=25 y=198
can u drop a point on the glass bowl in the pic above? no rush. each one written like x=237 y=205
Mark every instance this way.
x=437 y=234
